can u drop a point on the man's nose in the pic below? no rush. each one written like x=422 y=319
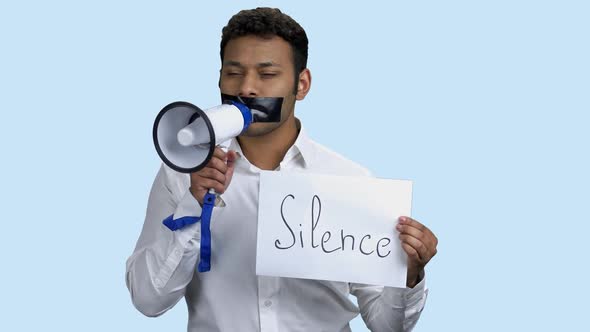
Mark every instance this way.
x=249 y=86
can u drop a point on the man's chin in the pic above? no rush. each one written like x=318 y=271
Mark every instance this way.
x=259 y=129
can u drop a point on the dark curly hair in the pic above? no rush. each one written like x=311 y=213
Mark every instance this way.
x=268 y=22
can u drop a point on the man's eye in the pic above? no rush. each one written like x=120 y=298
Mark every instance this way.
x=233 y=73
x=268 y=75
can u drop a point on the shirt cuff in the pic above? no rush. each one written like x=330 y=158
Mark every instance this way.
x=405 y=297
x=187 y=207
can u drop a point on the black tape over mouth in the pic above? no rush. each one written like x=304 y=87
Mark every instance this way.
x=264 y=109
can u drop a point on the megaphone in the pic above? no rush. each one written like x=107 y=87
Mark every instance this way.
x=185 y=136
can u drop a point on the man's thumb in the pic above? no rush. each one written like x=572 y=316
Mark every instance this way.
x=232 y=156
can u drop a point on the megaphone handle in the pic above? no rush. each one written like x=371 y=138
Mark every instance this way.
x=209 y=201
x=218 y=200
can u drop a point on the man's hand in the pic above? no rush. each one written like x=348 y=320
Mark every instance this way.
x=217 y=174
x=420 y=245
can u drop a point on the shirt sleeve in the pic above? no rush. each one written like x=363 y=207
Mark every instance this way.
x=388 y=308
x=164 y=261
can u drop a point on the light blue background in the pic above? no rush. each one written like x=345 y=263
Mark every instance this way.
x=484 y=104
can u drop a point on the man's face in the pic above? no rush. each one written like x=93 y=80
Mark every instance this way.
x=259 y=67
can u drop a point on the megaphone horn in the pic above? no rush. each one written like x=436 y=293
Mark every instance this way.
x=185 y=136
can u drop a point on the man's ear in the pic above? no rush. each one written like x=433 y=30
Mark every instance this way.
x=303 y=84
x=219 y=80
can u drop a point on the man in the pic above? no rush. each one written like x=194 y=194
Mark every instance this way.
x=263 y=54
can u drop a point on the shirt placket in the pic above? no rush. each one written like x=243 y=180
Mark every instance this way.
x=268 y=303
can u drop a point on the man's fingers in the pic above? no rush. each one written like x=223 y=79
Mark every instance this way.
x=231 y=157
x=213 y=174
x=411 y=252
x=207 y=182
x=218 y=164
x=212 y=184
x=219 y=153
x=407 y=229
x=416 y=244
x=411 y=222
x=407 y=223
x=216 y=175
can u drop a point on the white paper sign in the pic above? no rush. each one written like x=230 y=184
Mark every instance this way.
x=337 y=228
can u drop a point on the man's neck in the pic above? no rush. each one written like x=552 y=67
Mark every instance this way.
x=266 y=152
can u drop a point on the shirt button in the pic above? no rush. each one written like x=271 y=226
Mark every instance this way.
x=267 y=303
x=178 y=253
x=158 y=283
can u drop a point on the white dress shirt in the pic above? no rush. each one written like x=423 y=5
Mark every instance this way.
x=231 y=297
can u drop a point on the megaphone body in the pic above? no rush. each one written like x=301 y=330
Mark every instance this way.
x=185 y=136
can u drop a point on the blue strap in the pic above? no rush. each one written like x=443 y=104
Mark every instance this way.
x=205 y=261
x=205 y=218
x=174 y=224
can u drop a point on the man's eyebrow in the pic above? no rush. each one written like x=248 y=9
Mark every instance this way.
x=268 y=64
x=232 y=63
x=259 y=65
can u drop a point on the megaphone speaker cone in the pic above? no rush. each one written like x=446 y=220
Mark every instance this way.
x=185 y=158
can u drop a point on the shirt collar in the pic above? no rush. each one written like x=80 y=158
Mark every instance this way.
x=302 y=147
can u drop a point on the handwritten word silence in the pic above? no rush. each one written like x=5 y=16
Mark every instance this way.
x=365 y=245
